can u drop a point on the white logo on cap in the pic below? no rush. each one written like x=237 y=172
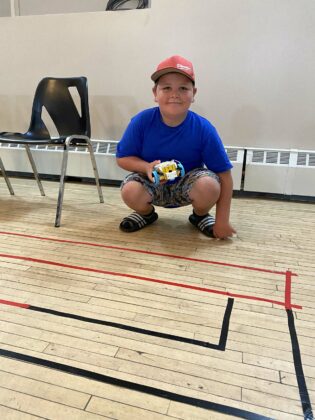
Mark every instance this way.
x=181 y=67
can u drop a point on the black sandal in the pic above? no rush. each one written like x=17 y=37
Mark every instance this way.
x=136 y=221
x=203 y=223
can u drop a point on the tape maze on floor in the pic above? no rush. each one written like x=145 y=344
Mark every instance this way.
x=285 y=304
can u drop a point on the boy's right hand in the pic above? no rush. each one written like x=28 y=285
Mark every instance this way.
x=150 y=168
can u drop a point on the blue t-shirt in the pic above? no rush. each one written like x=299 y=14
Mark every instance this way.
x=194 y=143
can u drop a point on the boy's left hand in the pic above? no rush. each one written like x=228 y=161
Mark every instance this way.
x=223 y=230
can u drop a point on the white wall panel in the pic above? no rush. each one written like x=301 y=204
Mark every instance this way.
x=254 y=62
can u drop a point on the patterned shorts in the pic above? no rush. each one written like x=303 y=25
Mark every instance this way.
x=171 y=195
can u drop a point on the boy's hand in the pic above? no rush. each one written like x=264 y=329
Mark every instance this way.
x=150 y=168
x=223 y=230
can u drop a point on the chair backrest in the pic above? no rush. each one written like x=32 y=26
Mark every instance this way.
x=55 y=96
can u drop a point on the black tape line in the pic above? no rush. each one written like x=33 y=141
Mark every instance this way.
x=225 y=325
x=220 y=346
x=127 y=327
x=304 y=396
x=207 y=405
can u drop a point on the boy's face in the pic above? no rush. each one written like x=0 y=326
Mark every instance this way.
x=174 y=93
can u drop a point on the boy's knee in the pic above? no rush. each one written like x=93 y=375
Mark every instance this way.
x=206 y=184
x=131 y=187
x=133 y=190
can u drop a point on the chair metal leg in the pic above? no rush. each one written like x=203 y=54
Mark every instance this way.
x=61 y=186
x=6 y=177
x=64 y=169
x=95 y=170
x=30 y=158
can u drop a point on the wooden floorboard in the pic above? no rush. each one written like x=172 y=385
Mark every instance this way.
x=163 y=323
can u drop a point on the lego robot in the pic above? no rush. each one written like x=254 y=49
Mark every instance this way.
x=168 y=171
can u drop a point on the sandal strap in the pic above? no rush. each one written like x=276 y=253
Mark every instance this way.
x=203 y=223
x=206 y=222
x=135 y=218
x=136 y=221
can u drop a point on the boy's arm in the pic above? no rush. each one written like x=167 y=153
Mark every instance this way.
x=222 y=227
x=136 y=164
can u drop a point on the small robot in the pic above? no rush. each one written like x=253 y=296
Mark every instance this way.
x=168 y=171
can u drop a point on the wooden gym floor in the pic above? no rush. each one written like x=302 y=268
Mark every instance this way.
x=159 y=324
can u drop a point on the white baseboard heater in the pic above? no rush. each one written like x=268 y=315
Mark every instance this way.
x=48 y=160
x=278 y=171
x=275 y=171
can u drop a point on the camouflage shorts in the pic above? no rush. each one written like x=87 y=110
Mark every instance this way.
x=171 y=195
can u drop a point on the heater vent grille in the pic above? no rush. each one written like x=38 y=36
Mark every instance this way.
x=271 y=157
x=232 y=154
x=284 y=158
x=258 y=156
x=301 y=160
x=107 y=147
x=306 y=159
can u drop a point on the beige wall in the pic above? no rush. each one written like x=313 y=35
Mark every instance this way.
x=254 y=61
x=42 y=7
x=5 y=8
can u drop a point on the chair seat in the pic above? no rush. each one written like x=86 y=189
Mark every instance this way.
x=31 y=139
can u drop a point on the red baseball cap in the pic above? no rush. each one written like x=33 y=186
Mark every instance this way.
x=174 y=64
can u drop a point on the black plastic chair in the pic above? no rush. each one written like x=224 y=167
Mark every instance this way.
x=5 y=176
x=73 y=128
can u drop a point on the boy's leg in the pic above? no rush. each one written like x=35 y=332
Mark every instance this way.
x=137 y=197
x=204 y=193
x=200 y=188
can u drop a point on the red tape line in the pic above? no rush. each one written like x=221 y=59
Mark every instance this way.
x=20 y=305
x=169 y=283
x=264 y=270
x=288 y=290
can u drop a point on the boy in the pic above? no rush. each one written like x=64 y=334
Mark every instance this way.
x=172 y=131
